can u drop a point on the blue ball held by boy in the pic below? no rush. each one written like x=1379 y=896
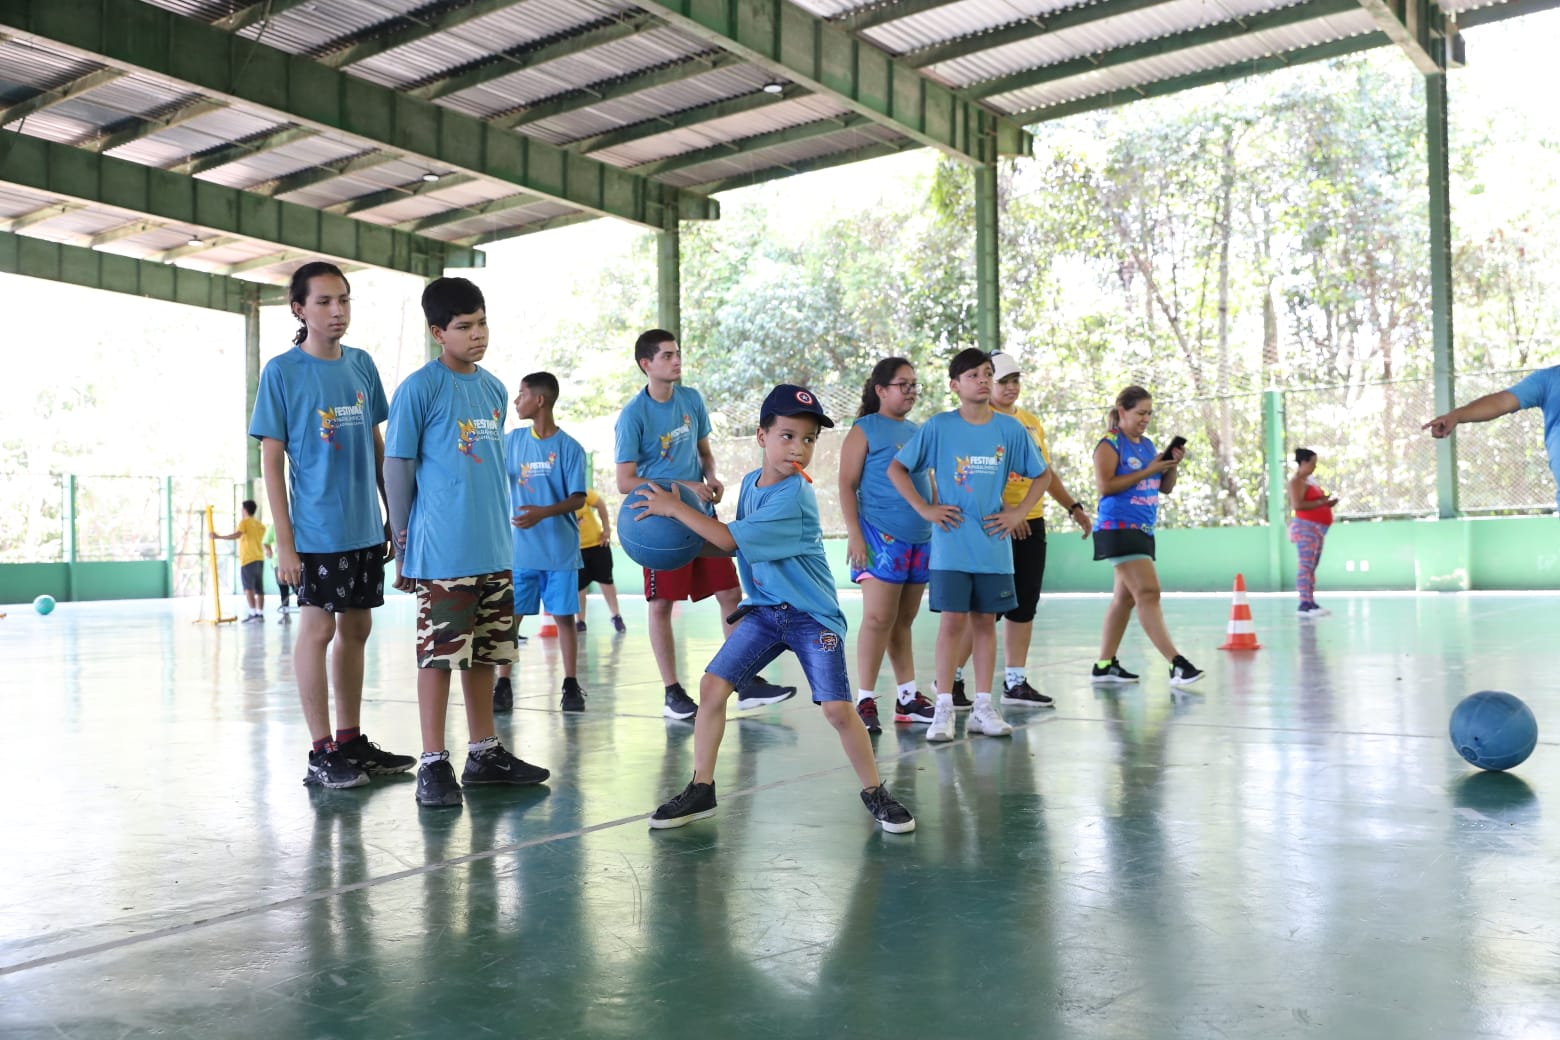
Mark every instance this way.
x=658 y=542
x=1493 y=730
x=44 y=604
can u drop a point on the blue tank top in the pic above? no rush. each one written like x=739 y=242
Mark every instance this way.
x=879 y=500
x=1138 y=506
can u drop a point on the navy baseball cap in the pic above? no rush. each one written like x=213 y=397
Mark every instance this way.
x=787 y=399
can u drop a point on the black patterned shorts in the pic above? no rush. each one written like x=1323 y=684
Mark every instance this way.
x=338 y=581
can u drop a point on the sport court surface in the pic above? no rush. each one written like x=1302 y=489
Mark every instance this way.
x=1290 y=849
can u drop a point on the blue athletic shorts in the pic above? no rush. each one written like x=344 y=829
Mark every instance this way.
x=955 y=592
x=892 y=561
x=764 y=633
x=556 y=591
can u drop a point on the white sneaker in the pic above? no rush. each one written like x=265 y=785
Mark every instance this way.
x=984 y=719
x=942 y=721
x=1313 y=611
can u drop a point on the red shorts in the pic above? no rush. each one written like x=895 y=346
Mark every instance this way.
x=701 y=579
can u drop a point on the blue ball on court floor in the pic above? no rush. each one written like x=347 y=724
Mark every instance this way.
x=44 y=604
x=658 y=542
x=1493 y=730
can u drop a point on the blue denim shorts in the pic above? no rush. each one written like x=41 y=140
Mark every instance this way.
x=764 y=633
x=955 y=592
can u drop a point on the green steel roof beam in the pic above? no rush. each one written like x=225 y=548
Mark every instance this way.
x=42 y=215
x=822 y=162
x=503 y=234
x=284 y=257
x=1028 y=29
x=385 y=196
x=481 y=209
x=687 y=117
x=1416 y=26
x=827 y=60
x=621 y=86
x=311 y=175
x=168 y=256
x=1276 y=19
x=754 y=143
x=81 y=176
x=409 y=28
x=882 y=14
x=260 y=11
x=51 y=96
x=1269 y=63
x=75 y=265
x=222 y=155
x=136 y=35
x=130 y=230
x=137 y=127
x=530 y=56
x=1501 y=12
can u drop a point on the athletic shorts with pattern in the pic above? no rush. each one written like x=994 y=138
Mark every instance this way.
x=462 y=622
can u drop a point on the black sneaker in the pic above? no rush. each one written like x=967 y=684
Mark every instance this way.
x=867 y=709
x=960 y=702
x=757 y=692
x=1184 y=672
x=497 y=766
x=886 y=810
x=373 y=759
x=503 y=695
x=1025 y=694
x=679 y=705
x=573 y=696
x=617 y=623
x=579 y=626
x=436 y=786
x=696 y=802
x=1111 y=673
x=332 y=769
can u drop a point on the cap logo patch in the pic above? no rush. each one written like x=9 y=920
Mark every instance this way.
x=804 y=397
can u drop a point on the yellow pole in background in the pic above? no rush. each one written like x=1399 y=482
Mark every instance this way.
x=216 y=585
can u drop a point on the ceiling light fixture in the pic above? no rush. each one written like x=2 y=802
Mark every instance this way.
x=194 y=242
x=774 y=88
x=429 y=178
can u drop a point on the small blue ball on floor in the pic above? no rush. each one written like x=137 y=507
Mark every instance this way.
x=1494 y=730
x=658 y=542
x=44 y=604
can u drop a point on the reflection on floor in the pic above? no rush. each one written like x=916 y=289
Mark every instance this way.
x=1289 y=849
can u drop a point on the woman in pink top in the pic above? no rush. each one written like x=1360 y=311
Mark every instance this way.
x=1313 y=516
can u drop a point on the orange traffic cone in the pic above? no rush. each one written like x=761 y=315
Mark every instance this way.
x=549 y=630
x=1242 y=633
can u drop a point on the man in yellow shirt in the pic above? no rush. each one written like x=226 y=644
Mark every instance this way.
x=250 y=554
x=1028 y=547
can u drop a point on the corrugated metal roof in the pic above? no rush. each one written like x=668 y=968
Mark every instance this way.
x=781 y=155
x=730 y=130
x=956 y=22
x=699 y=89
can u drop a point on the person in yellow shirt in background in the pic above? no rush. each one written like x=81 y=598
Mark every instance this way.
x=250 y=554
x=596 y=558
x=1028 y=548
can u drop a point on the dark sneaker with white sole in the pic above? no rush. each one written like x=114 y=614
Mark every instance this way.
x=679 y=705
x=436 y=785
x=1184 y=672
x=919 y=710
x=696 y=802
x=497 y=766
x=573 y=696
x=1025 y=695
x=373 y=759
x=1111 y=673
x=887 y=811
x=332 y=769
x=867 y=709
x=960 y=702
x=503 y=695
x=757 y=692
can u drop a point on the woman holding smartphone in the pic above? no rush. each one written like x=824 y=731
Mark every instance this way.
x=1130 y=475
x=1313 y=516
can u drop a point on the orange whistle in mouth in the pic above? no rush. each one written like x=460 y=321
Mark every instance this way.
x=802 y=471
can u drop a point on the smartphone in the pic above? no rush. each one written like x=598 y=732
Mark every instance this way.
x=1177 y=442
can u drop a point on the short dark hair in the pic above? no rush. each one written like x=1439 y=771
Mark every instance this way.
x=1303 y=455
x=648 y=345
x=250 y=507
x=546 y=382
x=966 y=359
x=447 y=298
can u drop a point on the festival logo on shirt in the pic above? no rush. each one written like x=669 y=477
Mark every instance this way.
x=668 y=440
x=967 y=466
x=536 y=470
x=342 y=416
x=472 y=431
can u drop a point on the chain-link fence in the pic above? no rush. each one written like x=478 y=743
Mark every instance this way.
x=32 y=526
x=1502 y=466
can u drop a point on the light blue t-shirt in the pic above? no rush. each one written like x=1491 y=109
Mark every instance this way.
x=662 y=439
x=1541 y=389
x=325 y=413
x=972 y=463
x=1138 y=506
x=544 y=471
x=453 y=426
x=780 y=553
x=877 y=498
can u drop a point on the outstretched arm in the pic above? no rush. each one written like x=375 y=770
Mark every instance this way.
x=1490 y=406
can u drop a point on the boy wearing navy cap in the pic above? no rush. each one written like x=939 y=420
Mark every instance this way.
x=790 y=605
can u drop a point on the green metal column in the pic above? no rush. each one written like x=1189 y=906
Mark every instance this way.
x=1436 y=136
x=251 y=391
x=167 y=519
x=668 y=282
x=1277 y=479
x=988 y=287
x=69 y=532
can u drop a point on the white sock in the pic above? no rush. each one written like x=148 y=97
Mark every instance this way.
x=863 y=695
x=477 y=747
x=945 y=699
x=1014 y=676
x=907 y=692
x=982 y=701
x=430 y=757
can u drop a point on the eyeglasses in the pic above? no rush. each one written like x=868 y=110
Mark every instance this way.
x=908 y=388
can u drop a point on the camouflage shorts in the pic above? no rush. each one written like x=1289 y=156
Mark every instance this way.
x=463 y=622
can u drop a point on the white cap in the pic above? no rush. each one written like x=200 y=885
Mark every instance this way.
x=1003 y=365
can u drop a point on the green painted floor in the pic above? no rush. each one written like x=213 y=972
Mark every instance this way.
x=1291 y=849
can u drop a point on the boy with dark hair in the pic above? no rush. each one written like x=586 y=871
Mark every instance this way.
x=448 y=496
x=251 y=556
x=663 y=434
x=546 y=485
x=973 y=451
x=791 y=605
